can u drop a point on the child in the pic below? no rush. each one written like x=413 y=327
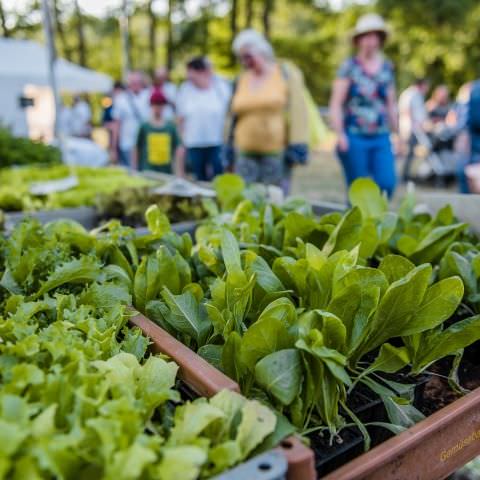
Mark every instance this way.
x=158 y=143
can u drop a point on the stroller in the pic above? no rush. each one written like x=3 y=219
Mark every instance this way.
x=437 y=154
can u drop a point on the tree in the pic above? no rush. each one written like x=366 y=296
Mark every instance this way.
x=125 y=39
x=233 y=26
x=82 y=47
x=58 y=25
x=152 y=34
x=268 y=7
x=205 y=25
x=3 y=21
x=169 y=53
x=249 y=13
x=433 y=38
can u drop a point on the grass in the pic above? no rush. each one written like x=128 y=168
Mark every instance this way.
x=322 y=179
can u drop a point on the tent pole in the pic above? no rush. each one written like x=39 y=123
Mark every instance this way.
x=52 y=57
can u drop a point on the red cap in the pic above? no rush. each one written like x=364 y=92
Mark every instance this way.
x=158 y=98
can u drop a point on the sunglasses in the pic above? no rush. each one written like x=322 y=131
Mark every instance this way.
x=245 y=57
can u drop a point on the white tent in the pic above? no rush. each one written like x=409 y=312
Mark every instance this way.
x=25 y=64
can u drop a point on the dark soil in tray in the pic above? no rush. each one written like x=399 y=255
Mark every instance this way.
x=438 y=393
x=469 y=375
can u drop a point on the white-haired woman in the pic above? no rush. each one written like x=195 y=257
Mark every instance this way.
x=363 y=107
x=269 y=113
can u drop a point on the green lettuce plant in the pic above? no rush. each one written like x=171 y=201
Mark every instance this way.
x=296 y=333
x=15 y=186
x=80 y=397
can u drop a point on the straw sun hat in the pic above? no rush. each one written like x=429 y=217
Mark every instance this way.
x=370 y=22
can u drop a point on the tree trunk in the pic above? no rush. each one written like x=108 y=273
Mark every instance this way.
x=60 y=31
x=152 y=35
x=268 y=6
x=233 y=28
x=169 y=53
x=3 y=21
x=124 y=38
x=249 y=14
x=206 y=27
x=131 y=38
x=82 y=47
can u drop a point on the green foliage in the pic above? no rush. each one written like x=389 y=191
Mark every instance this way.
x=15 y=151
x=277 y=322
x=229 y=189
x=298 y=310
x=434 y=38
x=421 y=44
x=80 y=397
x=291 y=298
x=130 y=204
x=15 y=185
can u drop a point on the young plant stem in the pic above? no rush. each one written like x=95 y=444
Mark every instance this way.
x=360 y=425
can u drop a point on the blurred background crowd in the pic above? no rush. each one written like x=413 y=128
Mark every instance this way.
x=264 y=88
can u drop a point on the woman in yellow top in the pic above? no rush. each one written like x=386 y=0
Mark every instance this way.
x=269 y=114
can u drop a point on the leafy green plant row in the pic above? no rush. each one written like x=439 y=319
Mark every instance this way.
x=299 y=310
x=296 y=334
x=80 y=397
x=17 y=151
x=15 y=184
x=440 y=240
x=130 y=204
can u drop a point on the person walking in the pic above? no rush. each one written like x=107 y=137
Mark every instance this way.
x=363 y=107
x=81 y=118
x=65 y=119
x=269 y=116
x=158 y=143
x=438 y=105
x=108 y=122
x=468 y=111
x=413 y=116
x=130 y=109
x=202 y=104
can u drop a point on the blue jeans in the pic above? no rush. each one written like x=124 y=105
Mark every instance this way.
x=370 y=156
x=125 y=158
x=205 y=161
x=461 y=176
x=474 y=157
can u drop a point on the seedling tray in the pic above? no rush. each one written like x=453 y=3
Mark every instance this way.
x=206 y=380
x=347 y=446
x=86 y=216
x=268 y=466
x=321 y=208
x=430 y=450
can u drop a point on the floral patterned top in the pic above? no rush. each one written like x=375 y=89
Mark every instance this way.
x=365 y=109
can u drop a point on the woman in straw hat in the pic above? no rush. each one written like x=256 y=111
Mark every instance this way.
x=363 y=107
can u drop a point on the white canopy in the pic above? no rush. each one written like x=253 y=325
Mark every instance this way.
x=25 y=62
x=24 y=69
